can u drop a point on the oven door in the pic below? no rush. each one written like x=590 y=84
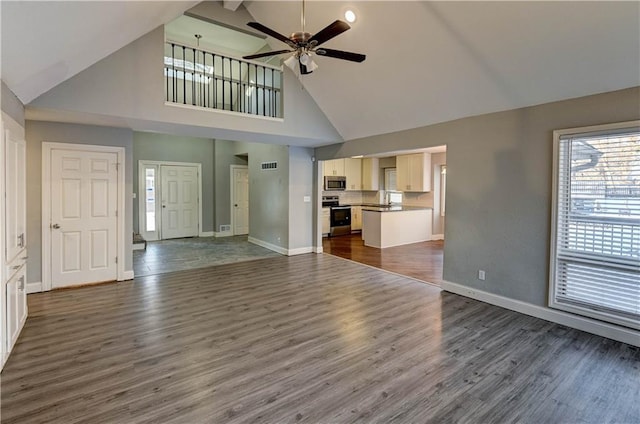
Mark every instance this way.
x=340 y=220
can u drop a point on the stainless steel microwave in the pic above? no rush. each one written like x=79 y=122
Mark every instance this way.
x=332 y=183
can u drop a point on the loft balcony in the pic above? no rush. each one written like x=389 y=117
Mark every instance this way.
x=202 y=78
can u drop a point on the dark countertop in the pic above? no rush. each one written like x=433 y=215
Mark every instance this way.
x=389 y=208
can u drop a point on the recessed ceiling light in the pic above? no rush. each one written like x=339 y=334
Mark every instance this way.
x=350 y=16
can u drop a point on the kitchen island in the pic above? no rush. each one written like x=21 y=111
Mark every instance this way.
x=387 y=226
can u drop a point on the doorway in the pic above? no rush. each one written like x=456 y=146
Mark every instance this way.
x=82 y=214
x=239 y=200
x=169 y=204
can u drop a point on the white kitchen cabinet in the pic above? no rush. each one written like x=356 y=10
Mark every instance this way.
x=16 y=306
x=353 y=172
x=13 y=299
x=370 y=174
x=326 y=220
x=334 y=167
x=413 y=172
x=356 y=218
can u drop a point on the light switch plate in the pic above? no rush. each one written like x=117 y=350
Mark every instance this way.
x=307 y=199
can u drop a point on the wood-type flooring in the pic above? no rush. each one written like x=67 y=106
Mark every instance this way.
x=305 y=339
x=422 y=261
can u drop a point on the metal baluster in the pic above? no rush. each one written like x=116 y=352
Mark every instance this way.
x=184 y=76
x=173 y=74
x=264 y=86
x=215 y=82
x=193 y=79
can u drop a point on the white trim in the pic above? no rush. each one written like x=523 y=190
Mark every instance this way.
x=223 y=233
x=318 y=249
x=551 y=301
x=232 y=194
x=138 y=246
x=622 y=334
x=437 y=237
x=141 y=205
x=128 y=275
x=267 y=245
x=300 y=251
x=207 y=234
x=35 y=287
x=47 y=148
x=225 y=112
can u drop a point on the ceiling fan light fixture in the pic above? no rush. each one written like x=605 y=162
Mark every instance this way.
x=291 y=62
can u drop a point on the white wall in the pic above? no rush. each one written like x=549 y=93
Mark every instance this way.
x=300 y=212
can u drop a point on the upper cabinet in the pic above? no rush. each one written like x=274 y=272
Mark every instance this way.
x=353 y=172
x=371 y=174
x=413 y=172
x=334 y=167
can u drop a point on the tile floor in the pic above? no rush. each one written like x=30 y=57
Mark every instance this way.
x=189 y=253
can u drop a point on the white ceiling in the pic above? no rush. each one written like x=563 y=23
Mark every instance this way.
x=47 y=42
x=427 y=62
x=430 y=62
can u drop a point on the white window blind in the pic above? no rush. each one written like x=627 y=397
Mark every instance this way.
x=595 y=263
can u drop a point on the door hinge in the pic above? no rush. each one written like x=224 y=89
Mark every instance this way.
x=116 y=259
x=117 y=166
x=116 y=212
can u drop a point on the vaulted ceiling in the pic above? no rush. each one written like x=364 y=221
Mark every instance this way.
x=427 y=62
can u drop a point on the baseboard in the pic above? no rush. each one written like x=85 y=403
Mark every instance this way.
x=222 y=234
x=318 y=249
x=139 y=246
x=611 y=331
x=128 y=275
x=35 y=287
x=437 y=237
x=300 y=251
x=206 y=234
x=267 y=245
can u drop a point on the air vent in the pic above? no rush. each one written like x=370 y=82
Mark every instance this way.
x=225 y=228
x=269 y=165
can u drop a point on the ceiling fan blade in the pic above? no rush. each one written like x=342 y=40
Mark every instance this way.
x=339 y=54
x=265 y=54
x=330 y=31
x=269 y=31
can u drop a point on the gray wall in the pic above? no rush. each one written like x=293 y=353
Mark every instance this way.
x=300 y=185
x=36 y=133
x=11 y=105
x=128 y=86
x=269 y=194
x=499 y=186
x=226 y=154
x=170 y=148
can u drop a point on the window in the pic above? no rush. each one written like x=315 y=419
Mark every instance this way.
x=595 y=246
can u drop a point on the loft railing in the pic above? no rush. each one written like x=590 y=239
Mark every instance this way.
x=197 y=77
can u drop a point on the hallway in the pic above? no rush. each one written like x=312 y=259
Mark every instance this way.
x=422 y=261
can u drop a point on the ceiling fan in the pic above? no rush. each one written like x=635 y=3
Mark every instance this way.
x=302 y=44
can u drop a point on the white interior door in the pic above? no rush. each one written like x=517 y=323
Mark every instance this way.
x=240 y=201
x=84 y=208
x=179 y=201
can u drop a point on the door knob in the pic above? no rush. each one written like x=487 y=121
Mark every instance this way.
x=236 y=205
x=55 y=226
x=164 y=206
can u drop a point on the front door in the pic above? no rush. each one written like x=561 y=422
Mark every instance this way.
x=179 y=201
x=84 y=208
x=240 y=201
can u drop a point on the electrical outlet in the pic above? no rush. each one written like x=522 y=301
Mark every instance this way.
x=481 y=274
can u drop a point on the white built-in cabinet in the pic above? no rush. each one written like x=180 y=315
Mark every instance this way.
x=356 y=218
x=334 y=167
x=353 y=172
x=13 y=302
x=413 y=172
x=370 y=174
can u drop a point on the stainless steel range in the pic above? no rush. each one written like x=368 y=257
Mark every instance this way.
x=340 y=216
